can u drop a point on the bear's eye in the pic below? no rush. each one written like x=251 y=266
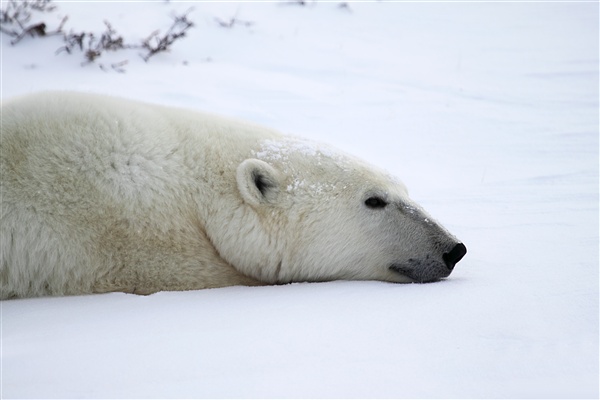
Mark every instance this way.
x=375 y=202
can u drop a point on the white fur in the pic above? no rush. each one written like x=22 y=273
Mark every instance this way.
x=102 y=194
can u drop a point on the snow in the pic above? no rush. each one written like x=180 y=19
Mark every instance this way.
x=487 y=111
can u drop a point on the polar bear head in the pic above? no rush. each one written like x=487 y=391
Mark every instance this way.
x=310 y=213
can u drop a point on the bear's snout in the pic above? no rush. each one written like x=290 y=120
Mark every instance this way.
x=454 y=255
x=429 y=269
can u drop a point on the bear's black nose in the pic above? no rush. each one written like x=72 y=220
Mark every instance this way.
x=454 y=256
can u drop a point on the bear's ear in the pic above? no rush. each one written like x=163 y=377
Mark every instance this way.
x=258 y=182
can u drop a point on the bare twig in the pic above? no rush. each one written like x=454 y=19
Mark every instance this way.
x=118 y=67
x=155 y=44
x=233 y=21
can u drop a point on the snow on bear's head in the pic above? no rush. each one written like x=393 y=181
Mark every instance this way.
x=310 y=213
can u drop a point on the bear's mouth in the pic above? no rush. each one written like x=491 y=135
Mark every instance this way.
x=418 y=273
x=404 y=271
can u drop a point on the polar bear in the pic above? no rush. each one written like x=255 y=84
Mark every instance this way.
x=102 y=194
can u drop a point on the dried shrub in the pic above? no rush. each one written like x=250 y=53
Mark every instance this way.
x=91 y=45
x=16 y=17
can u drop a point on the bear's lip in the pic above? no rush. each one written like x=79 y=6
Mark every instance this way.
x=412 y=273
x=405 y=271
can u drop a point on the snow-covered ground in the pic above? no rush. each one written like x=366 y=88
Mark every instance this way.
x=487 y=111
